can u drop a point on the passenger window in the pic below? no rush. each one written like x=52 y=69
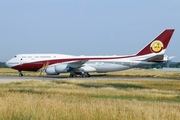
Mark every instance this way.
x=45 y=56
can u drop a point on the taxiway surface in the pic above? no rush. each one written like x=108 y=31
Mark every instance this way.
x=6 y=79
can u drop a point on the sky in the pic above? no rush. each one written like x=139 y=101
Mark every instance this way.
x=86 y=27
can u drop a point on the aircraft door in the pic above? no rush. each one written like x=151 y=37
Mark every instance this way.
x=20 y=62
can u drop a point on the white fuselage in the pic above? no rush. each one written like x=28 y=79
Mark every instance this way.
x=33 y=62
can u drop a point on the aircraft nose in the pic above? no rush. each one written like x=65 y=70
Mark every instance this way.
x=7 y=64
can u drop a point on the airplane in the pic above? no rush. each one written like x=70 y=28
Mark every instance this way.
x=152 y=53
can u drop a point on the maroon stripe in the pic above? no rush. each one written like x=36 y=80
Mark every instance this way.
x=34 y=66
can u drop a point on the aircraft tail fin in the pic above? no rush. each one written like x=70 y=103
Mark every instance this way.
x=159 y=44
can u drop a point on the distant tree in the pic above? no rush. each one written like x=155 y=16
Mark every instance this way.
x=149 y=67
x=3 y=65
x=161 y=65
x=158 y=66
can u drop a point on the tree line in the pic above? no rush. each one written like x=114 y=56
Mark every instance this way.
x=162 y=65
x=3 y=65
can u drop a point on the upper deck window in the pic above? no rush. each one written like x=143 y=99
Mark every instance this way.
x=45 y=56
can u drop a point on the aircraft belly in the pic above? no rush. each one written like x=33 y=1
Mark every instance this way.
x=87 y=68
x=110 y=67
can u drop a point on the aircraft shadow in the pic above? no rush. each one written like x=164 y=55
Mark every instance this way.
x=117 y=85
x=55 y=77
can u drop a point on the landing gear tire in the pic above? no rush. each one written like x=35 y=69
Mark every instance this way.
x=73 y=75
x=83 y=75
x=20 y=74
x=88 y=75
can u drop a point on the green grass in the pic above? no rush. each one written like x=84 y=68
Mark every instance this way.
x=168 y=91
x=89 y=99
x=92 y=99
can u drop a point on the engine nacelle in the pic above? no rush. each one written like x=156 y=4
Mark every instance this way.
x=50 y=70
x=56 y=69
x=61 y=68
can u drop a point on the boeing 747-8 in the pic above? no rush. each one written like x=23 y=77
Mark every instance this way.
x=82 y=65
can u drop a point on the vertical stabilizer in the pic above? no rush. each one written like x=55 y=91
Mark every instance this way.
x=159 y=44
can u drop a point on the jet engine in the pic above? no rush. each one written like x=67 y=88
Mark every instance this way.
x=56 y=69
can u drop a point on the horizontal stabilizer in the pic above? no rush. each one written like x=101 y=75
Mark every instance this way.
x=155 y=58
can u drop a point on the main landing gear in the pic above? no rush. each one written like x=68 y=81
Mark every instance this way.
x=82 y=74
x=20 y=74
x=86 y=74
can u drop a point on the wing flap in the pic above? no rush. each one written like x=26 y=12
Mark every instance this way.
x=77 y=64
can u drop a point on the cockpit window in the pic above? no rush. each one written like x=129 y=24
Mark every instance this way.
x=15 y=56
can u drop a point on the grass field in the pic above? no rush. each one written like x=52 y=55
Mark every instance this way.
x=90 y=99
x=125 y=73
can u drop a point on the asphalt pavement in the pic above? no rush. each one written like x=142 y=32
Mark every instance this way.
x=6 y=79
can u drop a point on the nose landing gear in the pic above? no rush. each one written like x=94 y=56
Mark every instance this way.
x=20 y=74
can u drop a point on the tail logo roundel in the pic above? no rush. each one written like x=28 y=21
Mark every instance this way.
x=157 y=46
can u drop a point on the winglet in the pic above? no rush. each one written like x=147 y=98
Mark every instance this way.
x=158 y=44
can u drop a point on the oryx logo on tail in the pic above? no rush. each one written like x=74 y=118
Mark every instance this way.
x=156 y=46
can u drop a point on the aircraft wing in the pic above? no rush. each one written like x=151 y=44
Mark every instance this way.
x=77 y=64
